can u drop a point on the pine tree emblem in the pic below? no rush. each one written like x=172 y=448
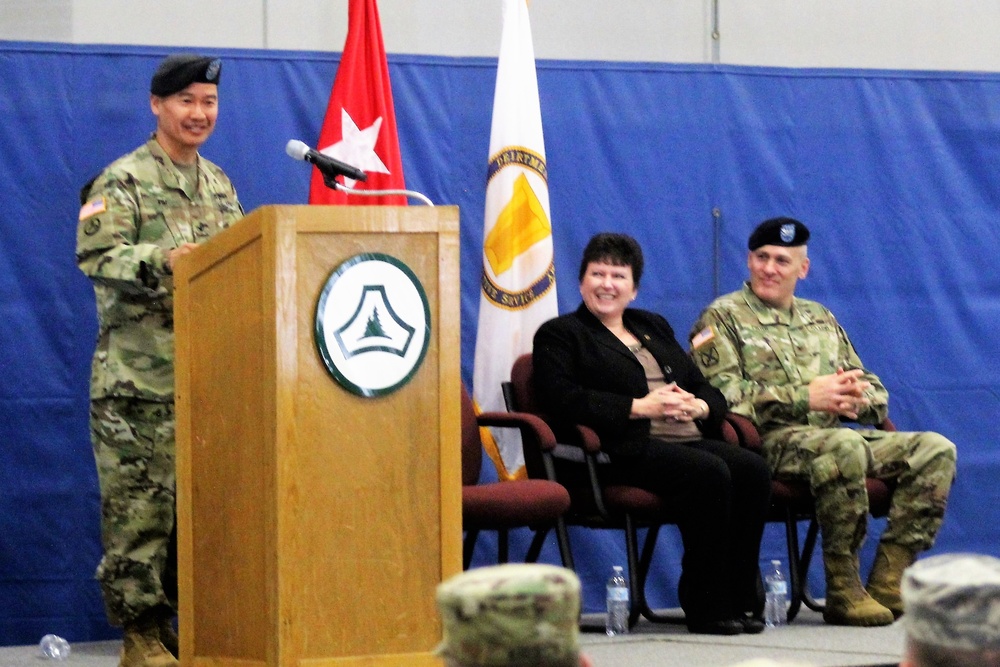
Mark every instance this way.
x=373 y=329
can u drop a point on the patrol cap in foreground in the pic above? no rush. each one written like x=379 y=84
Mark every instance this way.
x=179 y=71
x=512 y=614
x=953 y=600
x=787 y=232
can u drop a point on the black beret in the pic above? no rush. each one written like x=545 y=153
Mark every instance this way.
x=177 y=72
x=787 y=232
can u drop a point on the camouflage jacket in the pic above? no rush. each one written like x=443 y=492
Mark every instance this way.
x=137 y=210
x=763 y=359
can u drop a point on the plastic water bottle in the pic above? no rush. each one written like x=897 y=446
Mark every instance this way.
x=618 y=606
x=54 y=647
x=776 y=596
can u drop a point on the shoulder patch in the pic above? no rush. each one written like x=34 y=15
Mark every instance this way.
x=708 y=357
x=93 y=207
x=705 y=335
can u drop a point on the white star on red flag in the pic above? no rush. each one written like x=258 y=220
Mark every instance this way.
x=357 y=147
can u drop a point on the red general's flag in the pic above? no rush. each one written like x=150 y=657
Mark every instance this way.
x=360 y=124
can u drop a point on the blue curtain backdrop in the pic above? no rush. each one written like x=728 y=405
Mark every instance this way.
x=895 y=173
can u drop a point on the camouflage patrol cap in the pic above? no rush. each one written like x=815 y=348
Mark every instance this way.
x=787 y=232
x=512 y=614
x=179 y=71
x=953 y=601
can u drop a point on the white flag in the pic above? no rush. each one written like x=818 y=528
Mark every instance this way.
x=518 y=279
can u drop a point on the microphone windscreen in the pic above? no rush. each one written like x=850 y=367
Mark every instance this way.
x=296 y=149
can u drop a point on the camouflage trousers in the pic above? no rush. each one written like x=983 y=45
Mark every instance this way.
x=134 y=448
x=835 y=461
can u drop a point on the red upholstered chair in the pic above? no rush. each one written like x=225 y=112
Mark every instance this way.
x=791 y=502
x=575 y=463
x=501 y=506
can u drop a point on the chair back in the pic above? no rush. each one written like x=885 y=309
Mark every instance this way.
x=472 y=443
x=519 y=394
x=522 y=389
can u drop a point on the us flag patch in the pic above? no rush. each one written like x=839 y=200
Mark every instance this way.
x=93 y=207
x=702 y=337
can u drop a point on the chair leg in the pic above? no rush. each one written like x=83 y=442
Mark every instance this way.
x=536 y=544
x=564 y=550
x=636 y=593
x=648 y=546
x=794 y=570
x=503 y=545
x=807 y=551
x=562 y=536
x=468 y=546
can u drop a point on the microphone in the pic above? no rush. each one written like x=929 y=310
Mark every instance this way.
x=330 y=167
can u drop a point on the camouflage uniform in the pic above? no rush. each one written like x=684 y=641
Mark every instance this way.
x=953 y=610
x=511 y=615
x=763 y=359
x=137 y=210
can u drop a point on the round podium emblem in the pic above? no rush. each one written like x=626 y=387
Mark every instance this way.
x=372 y=324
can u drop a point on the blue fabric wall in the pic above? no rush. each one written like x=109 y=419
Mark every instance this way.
x=893 y=171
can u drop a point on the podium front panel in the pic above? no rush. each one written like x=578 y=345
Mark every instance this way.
x=384 y=450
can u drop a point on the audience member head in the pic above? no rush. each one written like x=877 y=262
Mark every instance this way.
x=615 y=249
x=952 y=605
x=513 y=615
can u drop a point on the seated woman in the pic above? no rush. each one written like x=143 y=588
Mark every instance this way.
x=620 y=371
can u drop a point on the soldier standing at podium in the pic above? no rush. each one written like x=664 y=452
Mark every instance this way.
x=142 y=213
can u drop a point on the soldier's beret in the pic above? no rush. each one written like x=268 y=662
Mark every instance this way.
x=953 y=600
x=179 y=71
x=511 y=614
x=787 y=232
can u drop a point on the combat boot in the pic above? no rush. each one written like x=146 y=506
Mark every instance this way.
x=141 y=645
x=887 y=575
x=847 y=601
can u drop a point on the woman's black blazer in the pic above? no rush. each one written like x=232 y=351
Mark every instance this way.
x=584 y=375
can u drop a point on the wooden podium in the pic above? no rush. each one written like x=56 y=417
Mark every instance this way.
x=313 y=523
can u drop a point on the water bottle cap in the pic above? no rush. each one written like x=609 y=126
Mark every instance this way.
x=775 y=562
x=616 y=568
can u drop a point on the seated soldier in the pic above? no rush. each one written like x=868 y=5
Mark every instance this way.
x=788 y=366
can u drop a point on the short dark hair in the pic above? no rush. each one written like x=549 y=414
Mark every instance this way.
x=616 y=249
